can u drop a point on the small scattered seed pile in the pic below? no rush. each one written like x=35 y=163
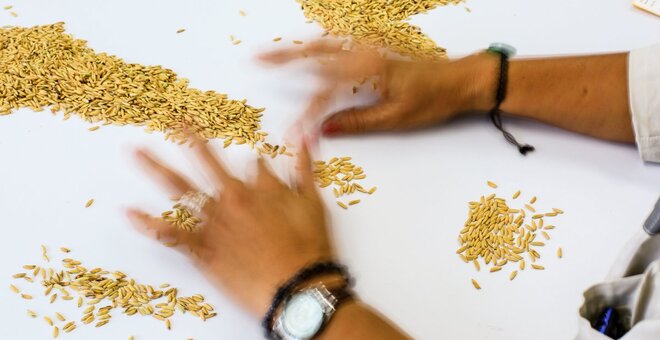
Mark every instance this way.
x=42 y=67
x=378 y=23
x=499 y=235
x=344 y=175
x=181 y=218
x=99 y=292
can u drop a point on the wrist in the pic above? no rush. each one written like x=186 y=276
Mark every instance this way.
x=480 y=81
x=327 y=283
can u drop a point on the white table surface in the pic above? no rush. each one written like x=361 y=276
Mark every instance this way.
x=400 y=242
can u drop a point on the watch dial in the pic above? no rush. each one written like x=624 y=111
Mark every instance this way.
x=303 y=316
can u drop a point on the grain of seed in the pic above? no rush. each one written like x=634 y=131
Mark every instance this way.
x=48 y=320
x=60 y=316
x=522 y=265
x=492 y=185
x=530 y=208
x=102 y=323
x=476 y=265
x=537 y=216
x=533 y=200
x=242 y=13
x=56 y=332
x=353 y=202
x=65 y=250
x=537 y=267
x=31 y=313
x=26 y=296
x=298 y=42
x=560 y=252
x=236 y=42
x=180 y=30
x=89 y=203
x=516 y=194
x=476 y=284
x=69 y=326
x=545 y=235
x=168 y=325
x=14 y=14
x=14 y=289
x=53 y=298
x=513 y=275
x=276 y=39
x=8 y=7
x=558 y=211
x=495 y=269
x=94 y=128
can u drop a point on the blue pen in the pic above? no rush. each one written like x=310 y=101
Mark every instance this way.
x=609 y=323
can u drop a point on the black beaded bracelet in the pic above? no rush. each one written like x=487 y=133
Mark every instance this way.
x=286 y=289
x=504 y=51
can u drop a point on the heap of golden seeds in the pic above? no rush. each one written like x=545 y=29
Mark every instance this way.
x=499 y=235
x=344 y=175
x=100 y=292
x=42 y=67
x=378 y=23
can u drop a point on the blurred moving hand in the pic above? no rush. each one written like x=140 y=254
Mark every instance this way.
x=254 y=235
x=412 y=94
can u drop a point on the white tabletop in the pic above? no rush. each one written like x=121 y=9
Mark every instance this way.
x=400 y=242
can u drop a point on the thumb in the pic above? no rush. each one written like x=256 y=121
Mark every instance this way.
x=361 y=119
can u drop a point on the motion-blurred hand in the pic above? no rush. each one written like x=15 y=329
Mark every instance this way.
x=412 y=94
x=254 y=236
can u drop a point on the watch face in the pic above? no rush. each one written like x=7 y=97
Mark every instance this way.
x=303 y=316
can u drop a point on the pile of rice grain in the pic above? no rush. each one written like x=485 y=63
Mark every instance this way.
x=100 y=292
x=344 y=175
x=502 y=236
x=378 y=23
x=43 y=67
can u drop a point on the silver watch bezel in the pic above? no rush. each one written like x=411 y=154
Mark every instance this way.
x=326 y=300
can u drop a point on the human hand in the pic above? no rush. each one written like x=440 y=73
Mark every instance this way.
x=413 y=94
x=254 y=236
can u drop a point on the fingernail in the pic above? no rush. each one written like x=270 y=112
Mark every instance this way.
x=331 y=128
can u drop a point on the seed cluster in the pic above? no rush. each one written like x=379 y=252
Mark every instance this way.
x=100 y=292
x=341 y=172
x=378 y=23
x=42 y=67
x=181 y=218
x=500 y=235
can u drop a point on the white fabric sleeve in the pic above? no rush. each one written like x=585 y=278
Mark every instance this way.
x=644 y=94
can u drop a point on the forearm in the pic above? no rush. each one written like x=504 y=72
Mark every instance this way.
x=356 y=320
x=588 y=95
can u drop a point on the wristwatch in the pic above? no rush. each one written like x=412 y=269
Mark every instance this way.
x=305 y=313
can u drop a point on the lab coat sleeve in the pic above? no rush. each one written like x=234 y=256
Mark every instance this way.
x=644 y=94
